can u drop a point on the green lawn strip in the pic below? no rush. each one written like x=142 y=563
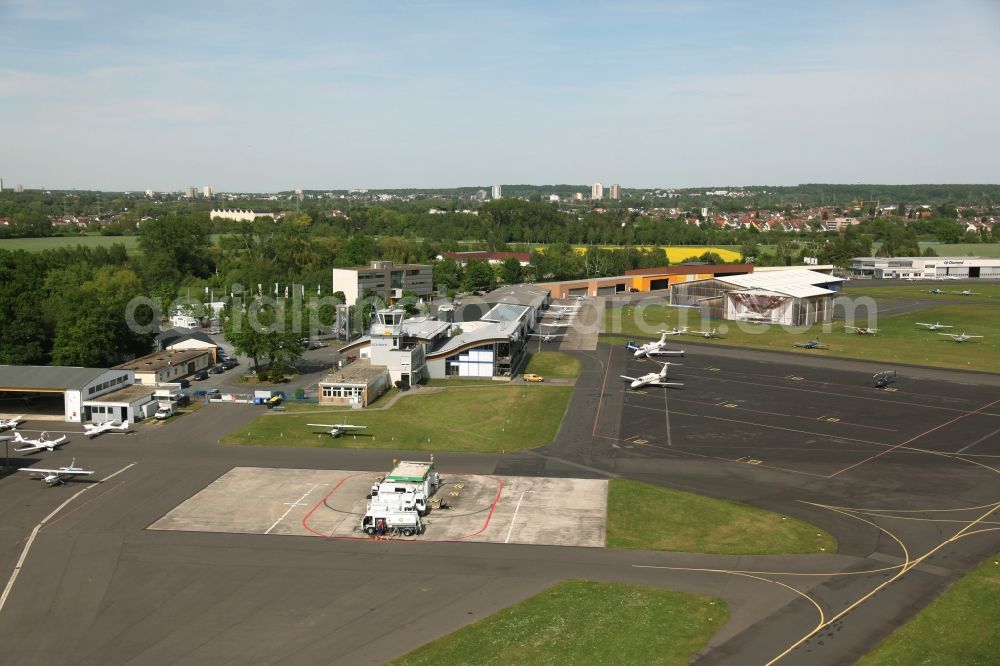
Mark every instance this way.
x=131 y=243
x=959 y=627
x=583 y=622
x=483 y=419
x=964 y=249
x=459 y=382
x=646 y=517
x=554 y=365
x=986 y=292
x=899 y=339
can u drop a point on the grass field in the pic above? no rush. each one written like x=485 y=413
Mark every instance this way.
x=647 y=517
x=486 y=419
x=959 y=627
x=583 y=622
x=899 y=340
x=553 y=365
x=964 y=249
x=986 y=292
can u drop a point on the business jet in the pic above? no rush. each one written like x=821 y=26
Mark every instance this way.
x=93 y=430
x=861 y=330
x=935 y=326
x=960 y=337
x=57 y=477
x=652 y=379
x=10 y=424
x=43 y=442
x=338 y=429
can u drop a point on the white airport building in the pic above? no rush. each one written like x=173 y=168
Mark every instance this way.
x=926 y=268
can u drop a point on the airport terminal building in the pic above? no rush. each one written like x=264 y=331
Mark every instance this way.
x=926 y=268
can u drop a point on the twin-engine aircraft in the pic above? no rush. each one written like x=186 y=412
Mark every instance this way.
x=655 y=347
x=43 y=442
x=338 y=429
x=652 y=379
x=59 y=476
x=93 y=430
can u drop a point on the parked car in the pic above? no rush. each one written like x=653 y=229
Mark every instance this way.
x=200 y=375
x=216 y=370
x=530 y=377
x=229 y=363
x=183 y=383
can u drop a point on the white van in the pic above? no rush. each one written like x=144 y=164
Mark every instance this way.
x=165 y=411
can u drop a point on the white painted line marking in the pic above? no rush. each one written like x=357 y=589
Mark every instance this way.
x=514 y=519
x=666 y=414
x=981 y=439
x=38 y=527
x=291 y=505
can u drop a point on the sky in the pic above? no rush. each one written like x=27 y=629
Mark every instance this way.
x=252 y=96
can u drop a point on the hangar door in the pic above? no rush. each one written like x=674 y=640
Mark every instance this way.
x=578 y=291
x=610 y=291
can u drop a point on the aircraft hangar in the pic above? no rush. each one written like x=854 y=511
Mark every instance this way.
x=56 y=392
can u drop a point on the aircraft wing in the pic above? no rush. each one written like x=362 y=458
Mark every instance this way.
x=347 y=425
x=973 y=336
x=39 y=470
x=628 y=379
x=665 y=352
x=950 y=335
x=325 y=425
x=665 y=384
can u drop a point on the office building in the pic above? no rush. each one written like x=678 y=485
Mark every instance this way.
x=616 y=191
x=496 y=192
x=207 y=192
x=384 y=279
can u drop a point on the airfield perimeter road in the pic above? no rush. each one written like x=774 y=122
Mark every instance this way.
x=906 y=480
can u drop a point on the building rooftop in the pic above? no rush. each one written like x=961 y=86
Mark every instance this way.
x=358 y=372
x=475 y=332
x=505 y=312
x=46 y=377
x=125 y=394
x=159 y=360
x=409 y=471
x=423 y=328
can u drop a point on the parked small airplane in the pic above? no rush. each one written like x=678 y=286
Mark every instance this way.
x=884 y=378
x=43 y=442
x=559 y=314
x=704 y=334
x=338 y=429
x=812 y=344
x=557 y=324
x=652 y=379
x=57 y=477
x=935 y=326
x=10 y=424
x=654 y=345
x=547 y=337
x=93 y=430
x=862 y=330
x=966 y=292
x=935 y=290
x=960 y=337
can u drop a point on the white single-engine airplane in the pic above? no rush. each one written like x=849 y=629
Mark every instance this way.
x=338 y=429
x=652 y=379
x=935 y=290
x=704 y=334
x=960 y=337
x=935 y=326
x=861 y=330
x=93 y=430
x=547 y=337
x=43 y=442
x=653 y=346
x=966 y=292
x=10 y=424
x=57 y=477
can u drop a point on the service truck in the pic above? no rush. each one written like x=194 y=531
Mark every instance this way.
x=411 y=476
x=382 y=520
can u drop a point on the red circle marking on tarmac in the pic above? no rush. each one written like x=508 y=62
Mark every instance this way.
x=489 y=516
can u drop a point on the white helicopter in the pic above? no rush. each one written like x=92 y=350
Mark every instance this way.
x=93 y=430
x=960 y=337
x=652 y=379
x=10 y=424
x=338 y=429
x=57 y=477
x=43 y=442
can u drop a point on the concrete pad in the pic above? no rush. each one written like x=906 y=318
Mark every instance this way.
x=331 y=503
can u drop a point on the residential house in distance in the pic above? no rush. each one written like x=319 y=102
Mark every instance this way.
x=492 y=258
x=239 y=215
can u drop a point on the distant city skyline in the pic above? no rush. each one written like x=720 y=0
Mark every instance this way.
x=116 y=96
